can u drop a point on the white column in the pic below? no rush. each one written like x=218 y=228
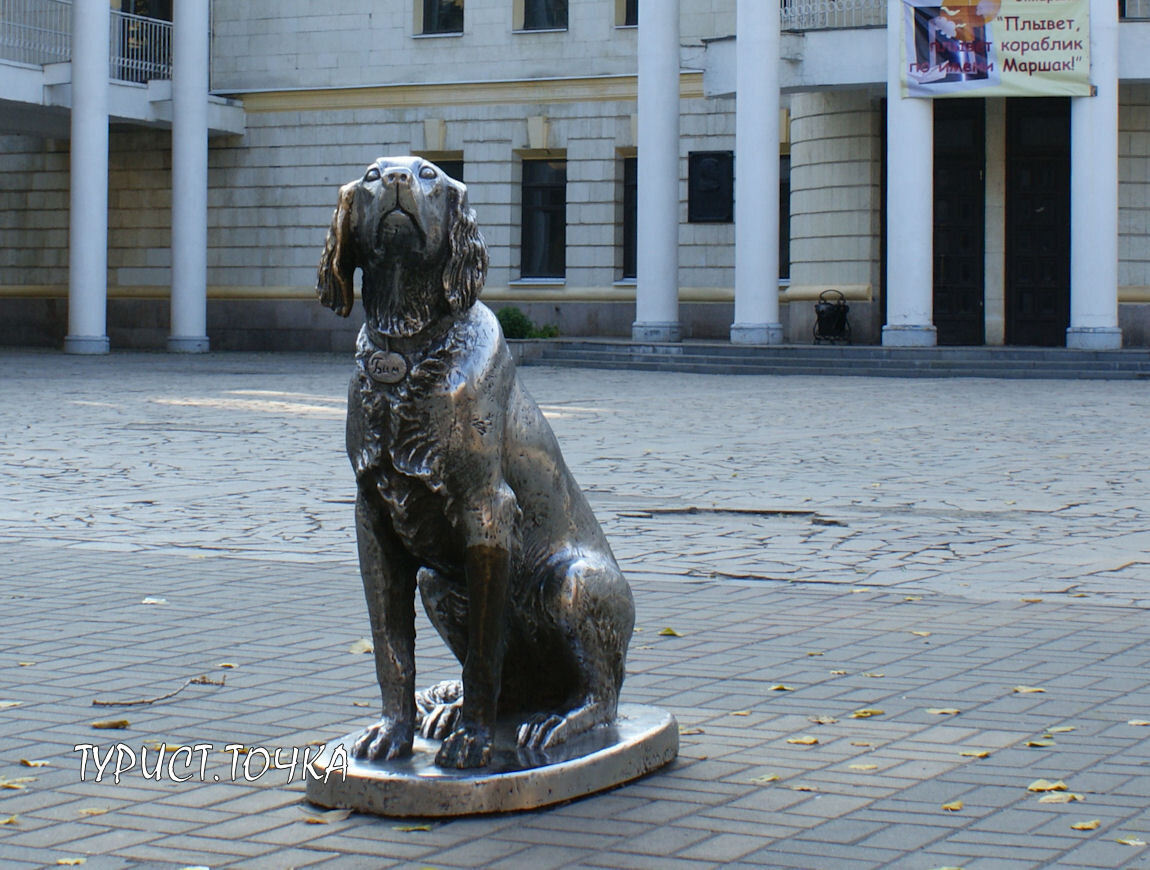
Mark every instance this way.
x=1094 y=193
x=189 y=176
x=657 y=257
x=909 y=207
x=757 y=175
x=88 y=218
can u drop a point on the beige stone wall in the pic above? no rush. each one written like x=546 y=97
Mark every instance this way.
x=272 y=44
x=836 y=198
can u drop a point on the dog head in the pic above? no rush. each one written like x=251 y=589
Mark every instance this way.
x=409 y=227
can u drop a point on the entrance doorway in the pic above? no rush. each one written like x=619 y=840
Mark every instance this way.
x=959 y=220
x=1037 y=221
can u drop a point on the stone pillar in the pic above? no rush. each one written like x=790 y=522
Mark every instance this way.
x=189 y=177
x=757 y=175
x=657 y=256
x=1094 y=193
x=88 y=199
x=909 y=207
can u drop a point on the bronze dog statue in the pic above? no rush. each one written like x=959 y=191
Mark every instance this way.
x=461 y=489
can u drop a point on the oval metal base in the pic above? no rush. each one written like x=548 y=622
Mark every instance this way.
x=641 y=740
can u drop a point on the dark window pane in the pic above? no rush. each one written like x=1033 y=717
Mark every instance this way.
x=784 y=217
x=544 y=14
x=631 y=12
x=544 y=247
x=454 y=168
x=630 y=214
x=711 y=187
x=442 y=16
x=161 y=9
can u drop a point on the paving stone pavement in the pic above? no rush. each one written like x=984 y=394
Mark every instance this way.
x=821 y=546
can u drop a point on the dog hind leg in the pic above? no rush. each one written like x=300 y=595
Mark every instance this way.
x=594 y=614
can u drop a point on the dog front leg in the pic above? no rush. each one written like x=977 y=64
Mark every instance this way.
x=488 y=573
x=389 y=586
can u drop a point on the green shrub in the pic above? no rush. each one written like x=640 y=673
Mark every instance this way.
x=516 y=324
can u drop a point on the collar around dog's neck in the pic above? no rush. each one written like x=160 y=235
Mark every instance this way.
x=387 y=362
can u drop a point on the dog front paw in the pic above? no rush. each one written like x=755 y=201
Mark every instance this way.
x=467 y=746
x=383 y=741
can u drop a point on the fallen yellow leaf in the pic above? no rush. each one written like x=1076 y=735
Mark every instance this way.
x=822 y=720
x=1141 y=723
x=92 y=811
x=72 y=862
x=803 y=788
x=227 y=665
x=363 y=645
x=1046 y=785
x=921 y=633
x=953 y=806
x=779 y=687
x=361 y=703
x=1031 y=600
x=864 y=767
x=838 y=673
x=806 y=740
x=913 y=598
x=407 y=829
x=741 y=713
x=1131 y=841
x=975 y=753
x=1060 y=797
x=111 y=724
x=25 y=664
x=765 y=778
x=866 y=713
x=9 y=820
x=1039 y=744
x=1092 y=825
x=7 y=705
x=813 y=654
x=1062 y=729
x=24 y=762
x=689 y=731
x=669 y=632
x=1028 y=690
x=861 y=743
x=874 y=676
x=944 y=711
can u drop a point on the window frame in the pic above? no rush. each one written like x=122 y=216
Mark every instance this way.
x=424 y=7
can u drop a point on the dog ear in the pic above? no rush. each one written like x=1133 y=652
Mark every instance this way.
x=335 y=278
x=466 y=266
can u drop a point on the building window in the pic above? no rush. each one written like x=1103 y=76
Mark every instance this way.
x=544 y=14
x=454 y=168
x=711 y=187
x=785 y=217
x=543 y=252
x=630 y=215
x=628 y=13
x=161 y=9
x=442 y=16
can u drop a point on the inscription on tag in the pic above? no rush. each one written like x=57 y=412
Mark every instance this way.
x=386 y=368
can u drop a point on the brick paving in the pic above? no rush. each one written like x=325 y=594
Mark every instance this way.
x=904 y=546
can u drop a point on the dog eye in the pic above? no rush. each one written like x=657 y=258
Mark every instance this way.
x=372 y=174
x=427 y=172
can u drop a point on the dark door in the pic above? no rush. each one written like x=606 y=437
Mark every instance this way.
x=1037 y=221
x=959 y=224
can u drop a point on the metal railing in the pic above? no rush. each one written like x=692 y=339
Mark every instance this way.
x=40 y=32
x=141 y=48
x=36 y=31
x=832 y=14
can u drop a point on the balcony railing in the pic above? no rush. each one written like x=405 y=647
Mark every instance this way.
x=830 y=14
x=40 y=32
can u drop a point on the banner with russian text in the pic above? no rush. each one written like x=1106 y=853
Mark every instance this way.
x=996 y=48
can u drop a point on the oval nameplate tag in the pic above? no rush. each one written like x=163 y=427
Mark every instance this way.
x=386 y=367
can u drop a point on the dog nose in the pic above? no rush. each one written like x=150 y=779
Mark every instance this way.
x=397 y=175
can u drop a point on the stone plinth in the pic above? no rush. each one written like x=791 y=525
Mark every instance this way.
x=641 y=740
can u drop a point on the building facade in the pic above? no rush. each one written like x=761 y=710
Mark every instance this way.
x=620 y=191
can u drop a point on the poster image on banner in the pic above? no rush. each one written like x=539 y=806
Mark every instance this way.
x=996 y=48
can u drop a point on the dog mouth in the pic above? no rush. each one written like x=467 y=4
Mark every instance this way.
x=397 y=223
